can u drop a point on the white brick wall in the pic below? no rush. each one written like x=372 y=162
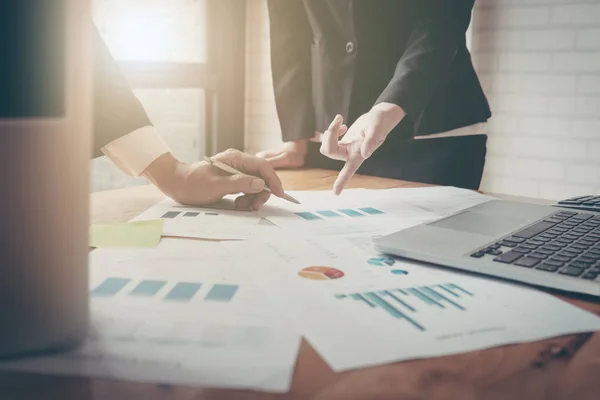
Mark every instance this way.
x=539 y=63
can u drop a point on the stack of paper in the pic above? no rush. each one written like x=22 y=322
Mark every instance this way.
x=230 y=314
x=181 y=314
x=360 y=309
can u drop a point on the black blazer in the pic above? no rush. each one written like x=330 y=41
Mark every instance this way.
x=117 y=111
x=344 y=56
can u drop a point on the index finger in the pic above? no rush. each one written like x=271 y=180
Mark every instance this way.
x=352 y=165
x=253 y=165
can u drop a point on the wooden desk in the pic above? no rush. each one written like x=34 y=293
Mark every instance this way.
x=565 y=368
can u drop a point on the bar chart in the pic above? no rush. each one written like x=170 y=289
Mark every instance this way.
x=343 y=212
x=408 y=302
x=167 y=291
x=175 y=214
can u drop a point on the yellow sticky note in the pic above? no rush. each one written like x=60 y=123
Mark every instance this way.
x=128 y=234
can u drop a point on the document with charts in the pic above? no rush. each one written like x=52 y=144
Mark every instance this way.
x=178 y=314
x=213 y=223
x=360 y=212
x=359 y=309
x=356 y=213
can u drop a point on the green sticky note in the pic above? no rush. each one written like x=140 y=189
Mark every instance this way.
x=128 y=234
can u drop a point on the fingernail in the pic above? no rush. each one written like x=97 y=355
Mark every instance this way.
x=338 y=118
x=257 y=184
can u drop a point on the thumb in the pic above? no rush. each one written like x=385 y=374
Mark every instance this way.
x=241 y=184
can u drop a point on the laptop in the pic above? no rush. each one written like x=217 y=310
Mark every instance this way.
x=534 y=244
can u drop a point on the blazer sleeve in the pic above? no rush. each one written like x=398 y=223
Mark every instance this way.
x=430 y=51
x=117 y=111
x=291 y=38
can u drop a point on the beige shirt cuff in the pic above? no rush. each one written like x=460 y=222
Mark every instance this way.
x=133 y=152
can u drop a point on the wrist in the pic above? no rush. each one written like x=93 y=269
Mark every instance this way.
x=162 y=172
x=391 y=113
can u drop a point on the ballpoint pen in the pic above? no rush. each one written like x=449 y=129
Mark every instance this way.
x=230 y=170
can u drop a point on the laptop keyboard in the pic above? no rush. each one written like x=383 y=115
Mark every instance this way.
x=581 y=203
x=566 y=243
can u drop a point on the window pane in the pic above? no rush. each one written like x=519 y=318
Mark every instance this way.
x=153 y=30
x=157 y=31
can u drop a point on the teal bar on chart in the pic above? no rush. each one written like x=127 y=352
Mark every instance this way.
x=391 y=310
x=443 y=287
x=360 y=297
x=393 y=296
x=110 y=287
x=183 y=291
x=220 y=292
x=438 y=296
x=453 y=286
x=308 y=216
x=422 y=296
x=351 y=213
x=328 y=213
x=148 y=288
x=371 y=210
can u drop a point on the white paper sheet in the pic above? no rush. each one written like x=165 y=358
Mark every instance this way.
x=367 y=212
x=359 y=309
x=357 y=212
x=189 y=228
x=178 y=314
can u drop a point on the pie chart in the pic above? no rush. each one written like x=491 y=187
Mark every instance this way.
x=320 y=273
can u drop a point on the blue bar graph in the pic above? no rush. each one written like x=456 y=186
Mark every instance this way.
x=191 y=214
x=110 y=287
x=403 y=303
x=423 y=297
x=183 y=291
x=456 y=287
x=328 y=213
x=220 y=292
x=360 y=297
x=393 y=311
x=351 y=213
x=440 y=297
x=371 y=210
x=147 y=288
x=393 y=296
x=308 y=216
x=171 y=214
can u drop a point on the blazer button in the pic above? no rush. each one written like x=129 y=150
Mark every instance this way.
x=350 y=47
